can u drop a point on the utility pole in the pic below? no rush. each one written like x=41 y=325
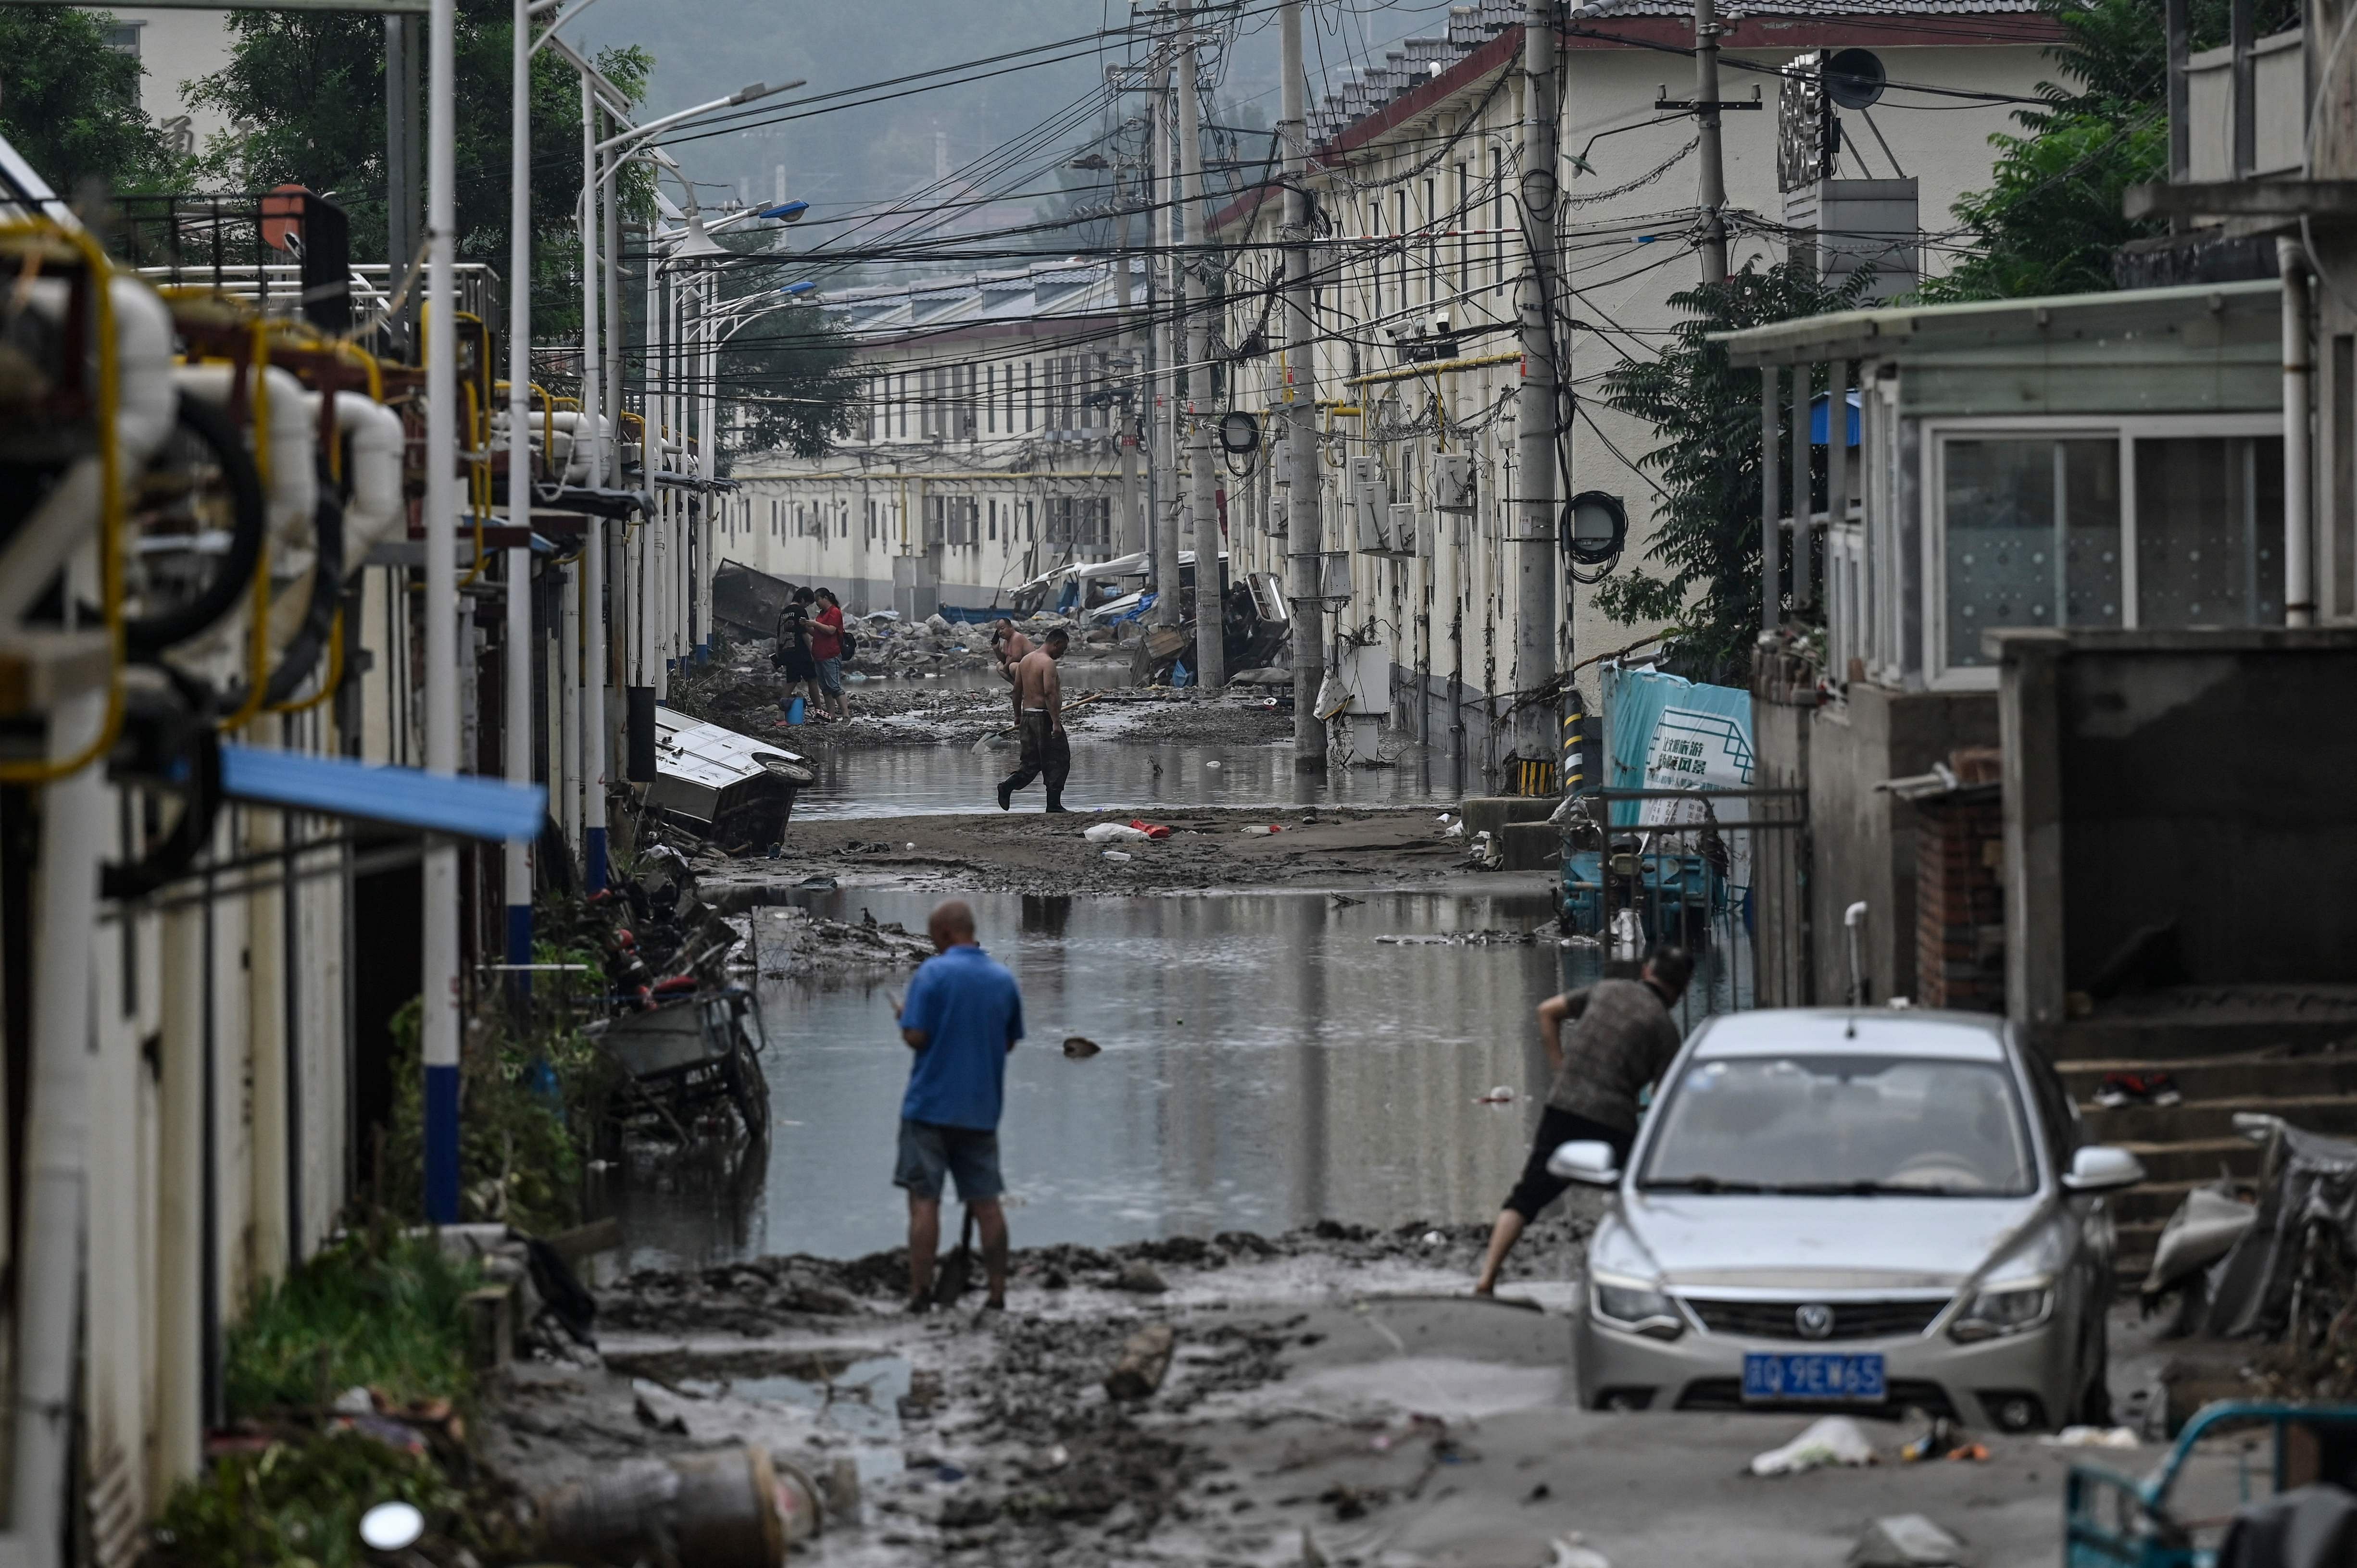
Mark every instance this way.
x=1714 y=167
x=1165 y=390
x=1211 y=602
x=517 y=735
x=1124 y=412
x=402 y=166
x=1536 y=440
x=597 y=725
x=1305 y=529
x=438 y=605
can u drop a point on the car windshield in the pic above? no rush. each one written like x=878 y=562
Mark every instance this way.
x=1842 y=1123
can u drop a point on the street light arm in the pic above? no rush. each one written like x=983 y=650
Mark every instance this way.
x=742 y=96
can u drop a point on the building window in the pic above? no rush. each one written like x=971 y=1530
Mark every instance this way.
x=2209 y=528
x=1026 y=396
x=2161 y=524
x=123 y=38
x=1431 y=246
x=2033 y=536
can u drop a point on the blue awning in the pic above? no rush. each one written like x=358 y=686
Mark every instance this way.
x=1817 y=418
x=405 y=797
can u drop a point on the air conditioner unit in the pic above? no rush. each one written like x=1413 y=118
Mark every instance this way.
x=1453 y=486
x=1403 y=528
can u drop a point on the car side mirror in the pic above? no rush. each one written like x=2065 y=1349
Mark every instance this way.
x=2099 y=1167
x=1591 y=1161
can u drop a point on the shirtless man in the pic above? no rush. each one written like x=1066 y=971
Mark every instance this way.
x=1039 y=717
x=1012 y=647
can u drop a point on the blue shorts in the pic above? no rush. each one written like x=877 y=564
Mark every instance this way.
x=930 y=1151
x=830 y=677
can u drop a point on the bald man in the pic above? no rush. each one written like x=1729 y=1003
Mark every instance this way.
x=963 y=1017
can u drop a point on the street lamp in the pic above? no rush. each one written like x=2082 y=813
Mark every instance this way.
x=741 y=96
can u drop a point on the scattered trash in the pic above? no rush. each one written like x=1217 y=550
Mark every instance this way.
x=1110 y=833
x=1117 y=855
x=1501 y=1095
x=1258 y=830
x=1139 y=1275
x=1627 y=934
x=1344 y=901
x=654 y=1419
x=1151 y=830
x=1144 y=1360
x=2091 y=1437
x=1832 y=1440
x=354 y=1401
x=1570 y=1553
x=2120 y=1089
x=1080 y=1047
x=1210 y=764
x=910 y=844
x=1946 y=1440
x=1907 y=1540
x=817 y=883
x=1434 y=1238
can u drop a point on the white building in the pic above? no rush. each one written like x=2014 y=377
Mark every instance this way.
x=1417 y=165
x=987 y=451
x=174 y=48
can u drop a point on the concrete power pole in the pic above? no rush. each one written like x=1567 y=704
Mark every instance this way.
x=1164 y=401
x=1536 y=437
x=1210 y=606
x=437 y=1028
x=1713 y=194
x=517 y=719
x=1125 y=413
x=1305 y=529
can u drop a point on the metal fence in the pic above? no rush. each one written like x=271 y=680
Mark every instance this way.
x=1723 y=873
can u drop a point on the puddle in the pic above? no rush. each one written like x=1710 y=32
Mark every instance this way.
x=1266 y=1062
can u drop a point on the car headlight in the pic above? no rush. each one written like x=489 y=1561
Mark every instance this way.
x=2001 y=1310
x=1635 y=1306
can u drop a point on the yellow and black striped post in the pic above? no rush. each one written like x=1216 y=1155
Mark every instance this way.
x=1574 y=728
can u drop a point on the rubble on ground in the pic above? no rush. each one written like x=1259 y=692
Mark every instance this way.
x=786 y=939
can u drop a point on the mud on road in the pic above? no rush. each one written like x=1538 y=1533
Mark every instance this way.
x=1038 y=853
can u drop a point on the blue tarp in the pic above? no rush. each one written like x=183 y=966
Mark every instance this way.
x=974 y=615
x=406 y=797
x=1817 y=418
x=1706 y=742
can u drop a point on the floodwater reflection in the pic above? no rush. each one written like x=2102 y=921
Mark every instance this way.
x=1266 y=1062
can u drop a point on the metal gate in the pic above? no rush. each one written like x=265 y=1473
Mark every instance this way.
x=1724 y=872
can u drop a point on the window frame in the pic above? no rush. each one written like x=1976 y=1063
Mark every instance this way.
x=2124 y=431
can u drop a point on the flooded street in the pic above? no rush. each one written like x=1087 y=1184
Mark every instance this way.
x=1267 y=1061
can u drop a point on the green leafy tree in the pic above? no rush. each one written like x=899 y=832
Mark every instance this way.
x=787 y=370
x=2050 y=220
x=69 y=102
x=1704 y=579
x=305 y=93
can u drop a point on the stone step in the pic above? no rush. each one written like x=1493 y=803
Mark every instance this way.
x=2205 y=1119
x=2226 y=1077
x=2198 y=1159
x=2163 y=1041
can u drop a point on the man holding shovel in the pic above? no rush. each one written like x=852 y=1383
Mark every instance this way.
x=963 y=1016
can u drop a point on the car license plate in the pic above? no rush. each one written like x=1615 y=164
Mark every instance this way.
x=1813 y=1375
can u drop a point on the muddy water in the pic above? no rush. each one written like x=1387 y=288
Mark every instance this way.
x=1266 y=1062
x=1107 y=770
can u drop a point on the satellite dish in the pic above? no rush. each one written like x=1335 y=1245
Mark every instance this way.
x=1854 y=79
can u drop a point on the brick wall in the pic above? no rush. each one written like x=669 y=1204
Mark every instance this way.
x=1960 y=901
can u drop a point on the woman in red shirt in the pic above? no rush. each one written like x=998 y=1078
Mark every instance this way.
x=826 y=653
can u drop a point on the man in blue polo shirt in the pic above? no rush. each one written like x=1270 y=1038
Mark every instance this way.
x=962 y=1018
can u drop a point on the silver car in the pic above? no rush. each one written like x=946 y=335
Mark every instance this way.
x=1842 y=1209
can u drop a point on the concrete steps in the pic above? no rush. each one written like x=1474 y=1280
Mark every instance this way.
x=2264 y=1049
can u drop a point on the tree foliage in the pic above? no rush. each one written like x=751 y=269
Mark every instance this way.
x=1705 y=549
x=305 y=93
x=2050 y=220
x=69 y=102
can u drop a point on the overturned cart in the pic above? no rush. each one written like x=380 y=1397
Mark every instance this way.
x=735 y=790
x=690 y=1061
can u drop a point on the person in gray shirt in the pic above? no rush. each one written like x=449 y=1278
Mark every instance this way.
x=1622 y=1037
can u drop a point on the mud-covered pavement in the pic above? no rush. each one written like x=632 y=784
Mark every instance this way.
x=1333 y=1399
x=1033 y=852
